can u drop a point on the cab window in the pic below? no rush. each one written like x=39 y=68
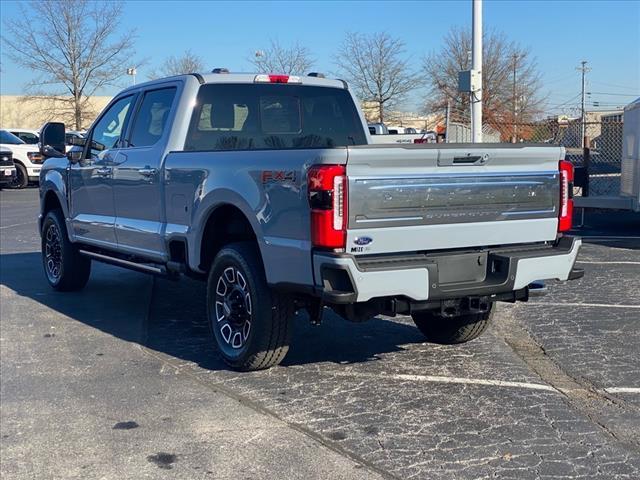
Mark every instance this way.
x=107 y=131
x=151 y=118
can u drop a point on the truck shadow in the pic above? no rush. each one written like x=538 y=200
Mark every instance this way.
x=173 y=322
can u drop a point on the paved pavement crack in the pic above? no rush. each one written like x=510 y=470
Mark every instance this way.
x=223 y=389
x=604 y=411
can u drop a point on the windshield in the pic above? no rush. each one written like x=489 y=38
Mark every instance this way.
x=9 y=138
x=251 y=117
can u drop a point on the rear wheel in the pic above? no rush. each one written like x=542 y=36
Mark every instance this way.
x=65 y=268
x=451 y=330
x=251 y=323
x=21 y=180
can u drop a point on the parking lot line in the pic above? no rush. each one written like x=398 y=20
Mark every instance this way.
x=568 y=304
x=622 y=390
x=17 y=225
x=587 y=238
x=451 y=380
x=590 y=262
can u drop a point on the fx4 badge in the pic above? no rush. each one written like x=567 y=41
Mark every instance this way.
x=271 y=176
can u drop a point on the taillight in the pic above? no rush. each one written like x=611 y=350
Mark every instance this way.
x=565 y=217
x=327 y=187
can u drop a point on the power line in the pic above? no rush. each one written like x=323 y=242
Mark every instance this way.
x=560 y=78
x=616 y=94
x=575 y=97
x=613 y=85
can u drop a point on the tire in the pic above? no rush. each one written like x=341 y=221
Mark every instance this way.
x=449 y=331
x=65 y=268
x=21 y=179
x=251 y=323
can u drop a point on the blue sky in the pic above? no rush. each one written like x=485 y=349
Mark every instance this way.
x=559 y=34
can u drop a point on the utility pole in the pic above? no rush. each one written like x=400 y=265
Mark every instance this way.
x=583 y=118
x=476 y=58
x=515 y=101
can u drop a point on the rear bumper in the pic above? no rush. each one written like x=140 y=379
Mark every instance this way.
x=343 y=278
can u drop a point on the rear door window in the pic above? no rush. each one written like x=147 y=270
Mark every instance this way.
x=151 y=119
x=27 y=137
x=250 y=116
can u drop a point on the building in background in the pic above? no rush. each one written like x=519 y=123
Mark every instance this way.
x=402 y=119
x=24 y=112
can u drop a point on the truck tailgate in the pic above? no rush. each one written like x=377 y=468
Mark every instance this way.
x=432 y=197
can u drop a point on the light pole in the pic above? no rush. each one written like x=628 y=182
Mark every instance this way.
x=515 y=100
x=476 y=91
x=132 y=72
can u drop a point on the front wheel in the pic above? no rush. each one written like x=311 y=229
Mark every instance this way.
x=251 y=323
x=21 y=180
x=65 y=268
x=452 y=330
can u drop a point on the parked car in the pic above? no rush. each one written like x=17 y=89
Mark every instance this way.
x=70 y=135
x=267 y=187
x=7 y=168
x=30 y=137
x=377 y=129
x=27 y=158
x=395 y=130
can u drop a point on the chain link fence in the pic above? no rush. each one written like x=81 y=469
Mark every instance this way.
x=598 y=160
x=594 y=147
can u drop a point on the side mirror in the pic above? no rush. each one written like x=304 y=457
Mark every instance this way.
x=52 y=142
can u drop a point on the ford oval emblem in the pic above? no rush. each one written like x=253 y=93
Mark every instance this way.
x=363 y=240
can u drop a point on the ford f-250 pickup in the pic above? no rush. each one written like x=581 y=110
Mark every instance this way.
x=268 y=187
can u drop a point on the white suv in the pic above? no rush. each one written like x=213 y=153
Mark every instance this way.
x=26 y=157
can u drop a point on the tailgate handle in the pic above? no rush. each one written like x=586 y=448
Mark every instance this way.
x=469 y=160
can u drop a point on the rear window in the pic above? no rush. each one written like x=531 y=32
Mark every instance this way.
x=272 y=116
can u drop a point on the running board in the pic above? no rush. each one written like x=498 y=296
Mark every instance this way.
x=119 y=262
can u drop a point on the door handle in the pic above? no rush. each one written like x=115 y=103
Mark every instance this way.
x=147 y=172
x=103 y=172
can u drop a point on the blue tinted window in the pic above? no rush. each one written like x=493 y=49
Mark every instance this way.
x=273 y=116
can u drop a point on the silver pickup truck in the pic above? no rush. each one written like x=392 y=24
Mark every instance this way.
x=268 y=187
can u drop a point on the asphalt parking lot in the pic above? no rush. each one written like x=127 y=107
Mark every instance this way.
x=121 y=381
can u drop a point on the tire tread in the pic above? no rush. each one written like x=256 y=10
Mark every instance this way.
x=450 y=331
x=76 y=268
x=271 y=348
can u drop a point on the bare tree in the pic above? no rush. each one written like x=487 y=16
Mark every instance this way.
x=188 y=62
x=376 y=66
x=295 y=59
x=73 y=48
x=511 y=82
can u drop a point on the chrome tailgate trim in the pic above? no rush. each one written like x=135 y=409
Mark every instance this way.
x=451 y=198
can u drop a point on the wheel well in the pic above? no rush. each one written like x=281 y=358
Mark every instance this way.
x=51 y=202
x=226 y=224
